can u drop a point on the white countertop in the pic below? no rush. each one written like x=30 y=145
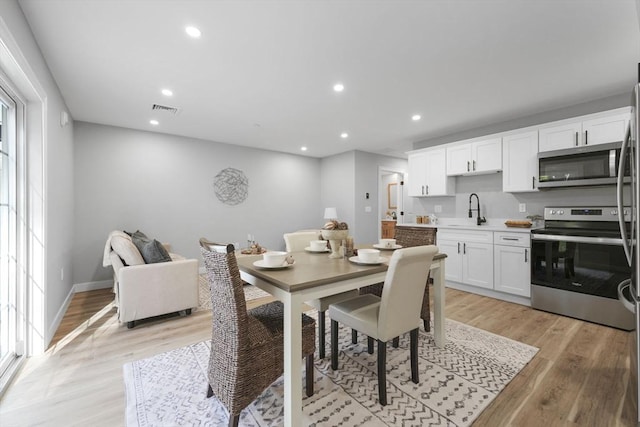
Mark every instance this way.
x=492 y=224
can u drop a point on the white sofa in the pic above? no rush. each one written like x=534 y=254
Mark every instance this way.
x=147 y=290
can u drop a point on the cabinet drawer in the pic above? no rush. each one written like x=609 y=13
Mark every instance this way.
x=511 y=239
x=465 y=235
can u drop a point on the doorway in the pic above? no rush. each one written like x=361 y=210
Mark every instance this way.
x=391 y=196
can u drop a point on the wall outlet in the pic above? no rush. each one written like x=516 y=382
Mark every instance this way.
x=437 y=208
x=522 y=207
x=367 y=209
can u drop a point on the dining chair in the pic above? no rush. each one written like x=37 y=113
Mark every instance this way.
x=408 y=237
x=397 y=311
x=298 y=241
x=247 y=346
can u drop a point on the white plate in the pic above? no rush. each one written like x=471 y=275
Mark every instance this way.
x=357 y=260
x=260 y=264
x=308 y=249
x=379 y=246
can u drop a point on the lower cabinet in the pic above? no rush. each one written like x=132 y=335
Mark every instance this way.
x=499 y=261
x=469 y=256
x=512 y=263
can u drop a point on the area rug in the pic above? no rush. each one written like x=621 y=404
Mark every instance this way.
x=456 y=384
x=250 y=293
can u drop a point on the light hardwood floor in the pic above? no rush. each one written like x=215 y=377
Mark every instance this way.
x=578 y=378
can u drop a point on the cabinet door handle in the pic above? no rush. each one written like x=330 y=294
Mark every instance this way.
x=427 y=187
x=513 y=239
x=474 y=165
x=468 y=166
x=464 y=248
x=576 y=139
x=586 y=137
x=533 y=182
x=458 y=247
x=526 y=255
x=423 y=190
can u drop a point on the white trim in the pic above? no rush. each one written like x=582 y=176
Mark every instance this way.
x=202 y=270
x=92 y=286
x=490 y=293
x=59 y=316
x=78 y=287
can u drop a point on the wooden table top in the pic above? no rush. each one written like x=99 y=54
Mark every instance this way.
x=313 y=269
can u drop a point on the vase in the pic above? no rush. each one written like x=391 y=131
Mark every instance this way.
x=335 y=238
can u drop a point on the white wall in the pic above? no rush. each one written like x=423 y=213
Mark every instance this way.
x=163 y=185
x=338 y=186
x=50 y=174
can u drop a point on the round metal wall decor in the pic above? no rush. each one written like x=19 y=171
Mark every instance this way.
x=231 y=186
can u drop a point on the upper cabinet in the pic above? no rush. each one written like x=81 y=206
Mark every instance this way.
x=475 y=157
x=594 y=129
x=427 y=174
x=520 y=157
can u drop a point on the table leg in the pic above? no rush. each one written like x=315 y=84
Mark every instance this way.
x=439 y=304
x=292 y=361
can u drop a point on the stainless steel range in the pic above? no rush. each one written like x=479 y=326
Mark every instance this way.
x=578 y=260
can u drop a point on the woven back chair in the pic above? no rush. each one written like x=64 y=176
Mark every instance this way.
x=247 y=346
x=409 y=237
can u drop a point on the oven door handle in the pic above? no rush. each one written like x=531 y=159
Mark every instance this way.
x=578 y=239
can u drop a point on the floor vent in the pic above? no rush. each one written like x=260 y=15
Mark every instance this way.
x=171 y=110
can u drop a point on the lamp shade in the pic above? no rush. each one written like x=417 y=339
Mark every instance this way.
x=330 y=213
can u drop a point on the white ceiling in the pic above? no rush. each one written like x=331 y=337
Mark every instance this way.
x=262 y=73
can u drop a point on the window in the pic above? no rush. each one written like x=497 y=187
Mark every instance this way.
x=12 y=284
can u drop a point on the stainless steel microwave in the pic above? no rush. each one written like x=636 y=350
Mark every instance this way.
x=581 y=166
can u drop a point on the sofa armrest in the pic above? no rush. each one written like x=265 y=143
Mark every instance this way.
x=154 y=289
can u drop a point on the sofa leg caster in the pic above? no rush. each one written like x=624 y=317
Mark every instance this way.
x=131 y=324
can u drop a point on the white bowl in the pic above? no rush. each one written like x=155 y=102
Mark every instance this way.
x=388 y=243
x=274 y=258
x=318 y=245
x=368 y=255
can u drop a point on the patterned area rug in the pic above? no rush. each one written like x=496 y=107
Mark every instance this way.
x=250 y=293
x=456 y=384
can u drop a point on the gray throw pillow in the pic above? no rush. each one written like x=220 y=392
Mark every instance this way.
x=152 y=251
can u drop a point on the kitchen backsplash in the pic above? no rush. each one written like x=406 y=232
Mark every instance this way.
x=494 y=203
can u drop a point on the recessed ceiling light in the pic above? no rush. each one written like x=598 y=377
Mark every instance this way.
x=416 y=117
x=154 y=122
x=193 y=32
x=344 y=135
x=167 y=92
x=338 y=87
x=303 y=148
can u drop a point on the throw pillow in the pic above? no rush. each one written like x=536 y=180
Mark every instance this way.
x=126 y=250
x=152 y=251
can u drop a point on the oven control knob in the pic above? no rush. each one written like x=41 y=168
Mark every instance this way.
x=560 y=212
x=552 y=212
x=614 y=212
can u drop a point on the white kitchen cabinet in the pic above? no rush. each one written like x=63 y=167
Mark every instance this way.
x=605 y=129
x=475 y=157
x=585 y=130
x=512 y=263
x=427 y=174
x=520 y=159
x=417 y=166
x=469 y=256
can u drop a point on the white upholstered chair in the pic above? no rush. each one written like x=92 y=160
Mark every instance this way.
x=296 y=242
x=396 y=312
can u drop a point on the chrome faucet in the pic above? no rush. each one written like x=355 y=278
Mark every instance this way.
x=481 y=219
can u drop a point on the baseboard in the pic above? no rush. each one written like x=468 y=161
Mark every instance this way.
x=92 y=286
x=78 y=287
x=490 y=293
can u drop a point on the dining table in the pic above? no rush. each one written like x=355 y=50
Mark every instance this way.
x=314 y=275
